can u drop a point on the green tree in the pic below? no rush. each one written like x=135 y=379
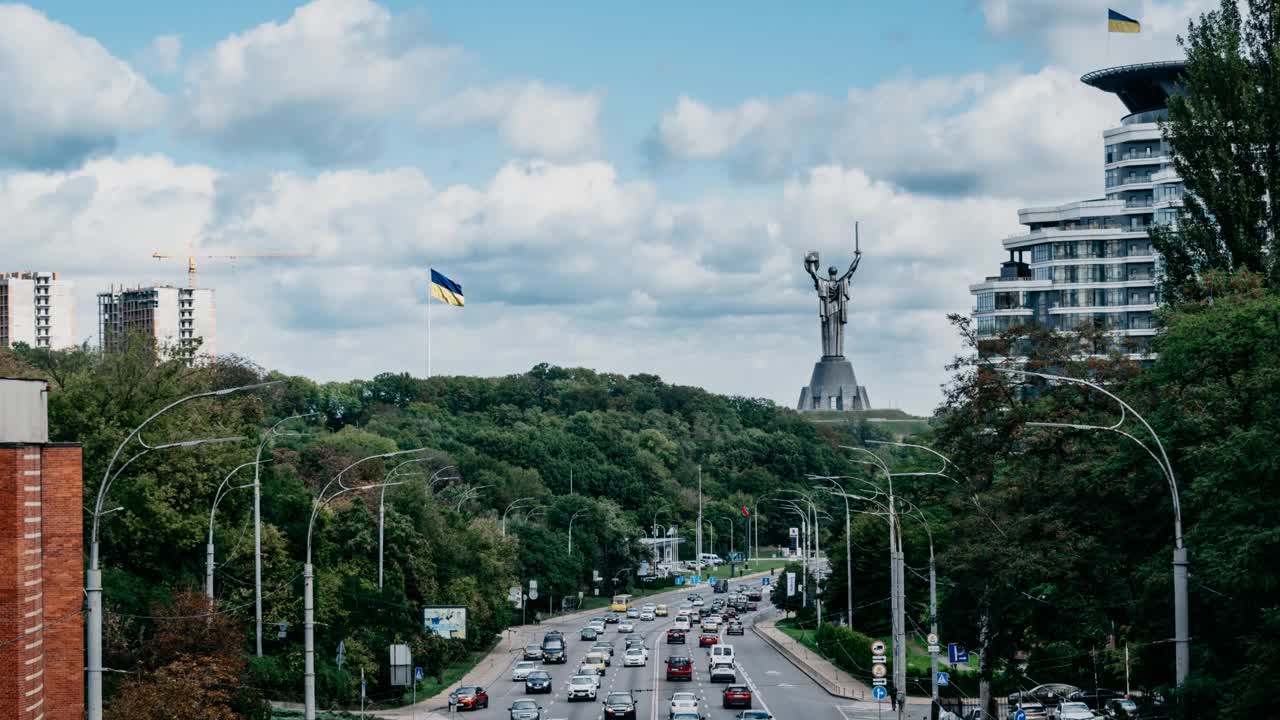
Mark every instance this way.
x=1224 y=128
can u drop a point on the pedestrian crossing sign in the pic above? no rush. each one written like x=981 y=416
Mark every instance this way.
x=944 y=679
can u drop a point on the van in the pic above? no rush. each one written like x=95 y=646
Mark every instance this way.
x=710 y=559
x=720 y=654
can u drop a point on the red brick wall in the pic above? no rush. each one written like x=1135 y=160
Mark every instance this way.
x=41 y=576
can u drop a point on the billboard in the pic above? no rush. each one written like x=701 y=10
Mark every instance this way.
x=447 y=621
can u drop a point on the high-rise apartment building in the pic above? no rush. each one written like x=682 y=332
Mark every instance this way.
x=1091 y=261
x=180 y=318
x=37 y=308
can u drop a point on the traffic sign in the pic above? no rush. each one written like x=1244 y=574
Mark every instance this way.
x=879 y=692
x=944 y=679
x=933 y=638
x=1020 y=715
x=418 y=674
x=879 y=670
x=764 y=581
x=878 y=647
x=533 y=589
x=935 y=649
x=879 y=681
x=791 y=584
x=957 y=654
x=679 y=579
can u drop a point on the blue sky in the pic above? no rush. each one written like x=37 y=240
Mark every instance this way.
x=627 y=187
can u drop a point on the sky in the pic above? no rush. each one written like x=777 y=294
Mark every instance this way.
x=629 y=187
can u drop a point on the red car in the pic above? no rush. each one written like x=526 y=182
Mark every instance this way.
x=675 y=636
x=731 y=613
x=469 y=697
x=708 y=639
x=737 y=696
x=679 y=668
x=753 y=606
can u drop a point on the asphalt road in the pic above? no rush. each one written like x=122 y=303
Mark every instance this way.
x=777 y=686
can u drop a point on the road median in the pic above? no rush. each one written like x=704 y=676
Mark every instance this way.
x=835 y=681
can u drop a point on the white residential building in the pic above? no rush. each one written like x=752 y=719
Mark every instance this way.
x=37 y=308
x=1091 y=261
x=183 y=318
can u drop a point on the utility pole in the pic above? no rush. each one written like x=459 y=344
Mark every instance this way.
x=699 y=536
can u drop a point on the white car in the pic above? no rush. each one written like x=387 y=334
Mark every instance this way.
x=682 y=623
x=626 y=626
x=710 y=624
x=590 y=671
x=522 y=669
x=699 y=602
x=649 y=606
x=635 y=657
x=633 y=613
x=723 y=673
x=646 y=615
x=1075 y=711
x=582 y=687
x=683 y=702
x=597 y=624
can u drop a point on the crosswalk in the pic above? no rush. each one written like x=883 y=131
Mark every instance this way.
x=871 y=710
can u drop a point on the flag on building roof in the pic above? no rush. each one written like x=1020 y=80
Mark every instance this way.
x=446 y=290
x=1122 y=23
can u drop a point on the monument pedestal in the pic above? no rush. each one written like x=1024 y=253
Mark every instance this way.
x=833 y=387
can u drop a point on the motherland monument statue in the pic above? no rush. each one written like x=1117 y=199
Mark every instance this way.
x=833 y=385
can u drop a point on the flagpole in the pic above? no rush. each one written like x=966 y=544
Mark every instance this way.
x=428 y=321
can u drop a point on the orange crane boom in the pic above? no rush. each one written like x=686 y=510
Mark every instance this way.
x=191 y=259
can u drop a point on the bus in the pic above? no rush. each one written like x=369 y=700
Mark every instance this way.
x=621 y=603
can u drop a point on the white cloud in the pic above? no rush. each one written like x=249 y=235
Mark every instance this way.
x=163 y=56
x=531 y=118
x=1004 y=133
x=322 y=84
x=1074 y=34
x=63 y=97
x=567 y=263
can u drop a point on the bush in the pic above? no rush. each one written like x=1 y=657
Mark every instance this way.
x=843 y=647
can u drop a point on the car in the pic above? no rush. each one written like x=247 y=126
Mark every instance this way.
x=635 y=657
x=468 y=697
x=620 y=706
x=753 y=596
x=736 y=696
x=634 y=641
x=686 y=716
x=598 y=626
x=707 y=639
x=633 y=613
x=532 y=652
x=626 y=626
x=597 y=660
x=649 y=606
x=589 y=670
x=604 y=647
x=682 y=624
x=675 y=635
x=693 y=596
x=582 y=687
x=710 y=624
x=752 y=606
x=646 y=615
x=735 y=628
x=683 y=702
x=753 y=715
x=553 y=652
x=524 y=710
x=719 y=654
x=723 y=673
x=1095 y=699
x=1120 y=709
x=679 y=668
x=539 y=681
x=1074 y=711
x=552 y=635
x=731 y=612
x=589 y=633
x=660 y=611
x=698 y=603
x=611 y=619
x=522 y=669
x=1032 y=709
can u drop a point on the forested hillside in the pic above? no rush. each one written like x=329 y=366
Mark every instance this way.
x=630 y=446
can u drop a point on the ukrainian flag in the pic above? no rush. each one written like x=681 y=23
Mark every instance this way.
x=446 y=290
x=1121 y=23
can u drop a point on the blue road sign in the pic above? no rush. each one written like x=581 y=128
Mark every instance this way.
x=418 y=674
x=679 y=579
x=764 y=581
x=879 y=692
x=943 y=679
x=1020 y=715
x=957 y=654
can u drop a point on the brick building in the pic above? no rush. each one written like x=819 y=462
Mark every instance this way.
x=41 y=562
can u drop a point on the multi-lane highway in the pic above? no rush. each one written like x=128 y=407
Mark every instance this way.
x=777 y=686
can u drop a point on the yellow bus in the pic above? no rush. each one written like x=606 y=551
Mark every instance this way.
x=621 y=603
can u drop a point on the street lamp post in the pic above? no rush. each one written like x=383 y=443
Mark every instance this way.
x=512 y=506
x=1181 y=612
x=213 y=508
x=382 y=502
x=469 y=494
x=257 y=528
x=308 y=575
x=848 y=551
x=571 y=519
x=93 y=576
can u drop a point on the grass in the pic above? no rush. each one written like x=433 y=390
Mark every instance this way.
x=454 y=672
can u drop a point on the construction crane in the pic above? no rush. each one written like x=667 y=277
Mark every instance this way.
x=191 y=259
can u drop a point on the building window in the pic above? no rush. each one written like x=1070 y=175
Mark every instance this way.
x=1043 y=273
x=1042 y=253
x=986 y=301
